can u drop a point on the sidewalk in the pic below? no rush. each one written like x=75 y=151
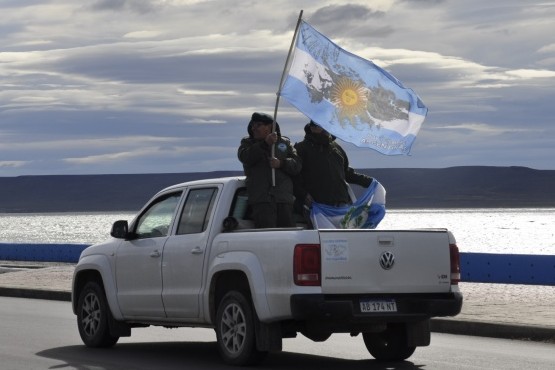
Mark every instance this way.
x=491 y=310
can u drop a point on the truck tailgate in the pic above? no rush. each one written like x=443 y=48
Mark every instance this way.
x=375 y=261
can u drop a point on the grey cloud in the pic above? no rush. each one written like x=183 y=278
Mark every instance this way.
x=18 y=3
x=7 y=29
x=257 y=67
x=423 y=2
x=139 y=6
x=350 y=20
x=103 y=103
x=344 y=13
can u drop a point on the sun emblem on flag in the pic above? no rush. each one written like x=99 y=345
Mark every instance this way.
x=350 y=98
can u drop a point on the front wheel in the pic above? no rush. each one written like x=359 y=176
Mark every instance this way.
x=92 y=317
x=235 y=331
x=389 y=345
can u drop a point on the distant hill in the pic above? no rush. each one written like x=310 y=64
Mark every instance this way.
x=455 y=187
x=467 y=187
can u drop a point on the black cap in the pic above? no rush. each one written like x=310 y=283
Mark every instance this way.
x=312 y=123
x=261 y=117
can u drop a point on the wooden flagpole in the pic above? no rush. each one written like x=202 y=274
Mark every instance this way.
x=279 y=90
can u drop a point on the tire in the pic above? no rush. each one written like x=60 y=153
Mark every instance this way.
x=316 y=336
x=92 y=317
x=389 y=345
x=235 y=331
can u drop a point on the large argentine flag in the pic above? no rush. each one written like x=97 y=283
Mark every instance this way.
x=351 y=97
x=365 y=213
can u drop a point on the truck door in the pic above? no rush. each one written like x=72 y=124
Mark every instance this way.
x=184 y=255
x=138 y=261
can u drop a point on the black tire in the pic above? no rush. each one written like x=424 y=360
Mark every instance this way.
x=389 y=345
x=93 y=315
x=316 y=336
x=235 y=331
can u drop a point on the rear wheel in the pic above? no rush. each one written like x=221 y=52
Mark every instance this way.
x=390 y=344
x=92 y=317
x=235 y=331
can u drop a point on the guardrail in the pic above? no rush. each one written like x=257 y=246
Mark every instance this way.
x=475 y=267
x=508 y=268
x=41 y=252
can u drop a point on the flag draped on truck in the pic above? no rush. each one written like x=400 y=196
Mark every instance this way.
x=351 y=97
x=365 y=213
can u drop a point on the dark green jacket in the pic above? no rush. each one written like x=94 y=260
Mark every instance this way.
x=325 y=170
x=255 y=154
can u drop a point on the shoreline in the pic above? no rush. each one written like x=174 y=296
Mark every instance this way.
x=394 y=209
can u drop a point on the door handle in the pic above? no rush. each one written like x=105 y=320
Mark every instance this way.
x=197 y=250
x=155 y=254
x=385 y=241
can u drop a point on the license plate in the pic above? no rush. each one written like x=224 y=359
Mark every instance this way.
x=378 y=306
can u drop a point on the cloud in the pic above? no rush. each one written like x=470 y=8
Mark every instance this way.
x=139 y=6
x=201 y=121
x=482 y=128
x=331 y=20
x=169 y=85
x=142 y=34
x=207 y=92
x=12 y=164
x=531 y=73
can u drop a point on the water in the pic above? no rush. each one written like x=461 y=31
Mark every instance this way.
x=511 y=231
x=491 y=230
x=73 y=228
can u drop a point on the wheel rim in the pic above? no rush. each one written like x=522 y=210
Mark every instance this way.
x=233 y=328
x=90 y=314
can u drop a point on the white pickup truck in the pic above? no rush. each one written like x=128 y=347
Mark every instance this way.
x=192 y=259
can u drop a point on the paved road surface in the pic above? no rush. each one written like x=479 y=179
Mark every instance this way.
x=493 y=310
x=42 y=334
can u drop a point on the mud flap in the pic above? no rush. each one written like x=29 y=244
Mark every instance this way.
x=118 y=328
x=268 y=336
x=418 y=333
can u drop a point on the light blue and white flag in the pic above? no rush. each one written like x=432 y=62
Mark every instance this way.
x=351 y=97
x=365 y=213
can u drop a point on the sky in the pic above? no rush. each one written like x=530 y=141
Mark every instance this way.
x=168 y=86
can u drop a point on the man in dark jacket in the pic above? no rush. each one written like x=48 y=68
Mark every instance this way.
x=272 y=206
x=325 y=170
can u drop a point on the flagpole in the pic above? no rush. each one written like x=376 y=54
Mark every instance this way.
x=280 y=86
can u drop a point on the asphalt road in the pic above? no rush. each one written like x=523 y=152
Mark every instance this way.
x=40 y=334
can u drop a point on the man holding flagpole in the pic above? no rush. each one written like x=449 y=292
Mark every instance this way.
x=266 y=154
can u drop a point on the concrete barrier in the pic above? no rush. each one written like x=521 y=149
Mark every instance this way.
x=41 y=252
x=475 y=267
x=508 y=268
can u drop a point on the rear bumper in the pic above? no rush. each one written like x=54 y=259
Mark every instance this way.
x=346 y=308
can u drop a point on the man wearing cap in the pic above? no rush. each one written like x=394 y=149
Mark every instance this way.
x=325 y=170
x=272 y=206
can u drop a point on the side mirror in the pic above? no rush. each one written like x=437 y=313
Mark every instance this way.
x=120 y=229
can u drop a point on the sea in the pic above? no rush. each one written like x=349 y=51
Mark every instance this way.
x=488 y=230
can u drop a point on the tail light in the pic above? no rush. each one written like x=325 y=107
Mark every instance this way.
x=306 y=265
x=455 y=264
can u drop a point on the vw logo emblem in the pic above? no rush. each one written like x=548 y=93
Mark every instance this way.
x=387 y=260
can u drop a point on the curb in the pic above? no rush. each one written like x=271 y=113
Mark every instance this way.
x=493 y=330
x=51 y=295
